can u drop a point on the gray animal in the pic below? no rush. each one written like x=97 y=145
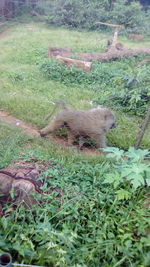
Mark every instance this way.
x=93 y=123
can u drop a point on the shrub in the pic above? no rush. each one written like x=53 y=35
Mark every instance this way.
x=129 y=15
x=85 y=14
x=136 y=95
x=77 y=14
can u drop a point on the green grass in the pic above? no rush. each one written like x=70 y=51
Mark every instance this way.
x=25 y=91
x=12 y=141
x=87 y=226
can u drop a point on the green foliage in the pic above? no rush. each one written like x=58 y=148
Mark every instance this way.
x=136 y=94
x=85 y=14
x=67 y=75
x=11 y=141
x=91 y=223
x=77 y=14
x=129 y=168
x=129 y=15
x=125 y=86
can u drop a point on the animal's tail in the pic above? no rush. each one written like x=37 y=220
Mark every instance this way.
x=60 y=103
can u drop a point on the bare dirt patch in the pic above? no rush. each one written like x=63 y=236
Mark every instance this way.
x=28 y=129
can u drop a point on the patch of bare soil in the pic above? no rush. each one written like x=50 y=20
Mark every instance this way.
x=28 y=129
x=32 y=131
x=23 y=178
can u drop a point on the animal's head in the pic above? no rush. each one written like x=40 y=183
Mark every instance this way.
x=109 y=119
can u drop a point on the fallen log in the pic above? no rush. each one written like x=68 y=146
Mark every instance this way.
x=55 y=51
x=86 y=66
x=113 y=54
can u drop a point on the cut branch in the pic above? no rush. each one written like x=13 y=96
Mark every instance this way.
x=108 y=24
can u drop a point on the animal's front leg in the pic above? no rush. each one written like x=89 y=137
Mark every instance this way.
x=102 y=141
x=71 y=138
x=99 y=139
x=53 y=126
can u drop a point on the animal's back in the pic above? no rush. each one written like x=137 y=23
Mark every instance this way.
x=83 y=121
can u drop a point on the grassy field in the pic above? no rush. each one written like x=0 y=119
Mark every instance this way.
x=25 y=91
x=96 y=222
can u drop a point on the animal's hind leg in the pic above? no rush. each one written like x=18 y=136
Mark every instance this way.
x=81 y=142
x=53 y=126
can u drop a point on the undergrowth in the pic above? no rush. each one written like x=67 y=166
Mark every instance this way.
x=122 y=83
x=92 y=224
x=11 y=142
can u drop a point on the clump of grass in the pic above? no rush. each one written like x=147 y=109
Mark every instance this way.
x=11 y=143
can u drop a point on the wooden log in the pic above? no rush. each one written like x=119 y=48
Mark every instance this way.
x=86 y=66
x=113 y=54
x=55 y=51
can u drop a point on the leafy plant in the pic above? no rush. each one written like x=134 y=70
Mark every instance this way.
x=129 y=168
x=86 y=224
x=136 y=94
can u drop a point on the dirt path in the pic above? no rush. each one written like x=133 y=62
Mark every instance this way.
x=33 y=131
x=28 y=129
